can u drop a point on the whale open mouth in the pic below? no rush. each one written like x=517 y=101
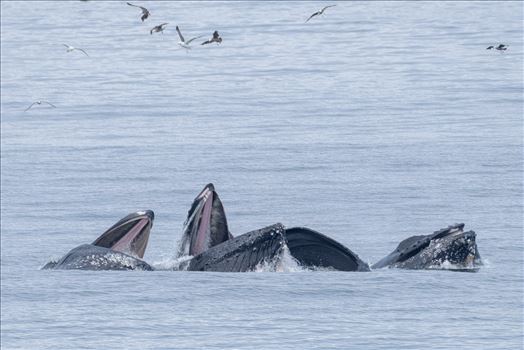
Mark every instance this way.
x=312 y=249
x=129 y=235
x=206 y=224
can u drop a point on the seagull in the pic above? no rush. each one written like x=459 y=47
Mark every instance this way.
x=215 y=39
x=39 y=103
x=145 y=12
x=319 y=12
x=72 y=48
x=158 y=28
x=183 y=43
x=500 y=47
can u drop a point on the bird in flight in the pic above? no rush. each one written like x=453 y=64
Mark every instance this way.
x=215 y=39
x=72 y=48
x=158 y=28
x=39 y=103
x=500 y=47
x=182 y=42
x=145 y=12
x=319 y=12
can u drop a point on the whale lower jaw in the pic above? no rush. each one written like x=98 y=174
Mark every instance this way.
x=312 y=249
x=206 y=224
x=91 y=257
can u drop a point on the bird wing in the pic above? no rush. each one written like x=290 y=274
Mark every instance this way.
x=145 y=12
x=28 y=108
x=49 y=103
x=180 y=34
x=196 y=37
x=327 y=7
x=206 y=42
x=83 y=52
x=216 y=35
x=313 y=15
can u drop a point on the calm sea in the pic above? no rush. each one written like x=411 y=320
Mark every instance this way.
x=371 y=123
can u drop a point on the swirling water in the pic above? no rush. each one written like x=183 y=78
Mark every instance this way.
x=371 y=123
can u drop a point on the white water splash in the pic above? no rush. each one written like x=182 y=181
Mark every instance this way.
x=283 y=262
x=173 y=264
x=52 y=261
x=470 y=264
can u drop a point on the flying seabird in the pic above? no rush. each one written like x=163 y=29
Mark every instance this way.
x=39 y=103
x=145 y=12
x=215 y=39
x=319 y=12
x=158 y=28
x=72 y=48
x=183 y=43
x=500 y=47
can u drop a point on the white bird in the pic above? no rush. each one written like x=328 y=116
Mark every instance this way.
x=319 y=12
x=39 y=103
x=145 y=12
x=185 y=44
x=72 y=48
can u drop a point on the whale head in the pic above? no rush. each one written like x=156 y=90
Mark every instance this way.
x=450 y=249
x=129 y=235
x=206 y=223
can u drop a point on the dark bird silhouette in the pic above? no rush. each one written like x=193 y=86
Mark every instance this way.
x=158 y=28
x=39 y=103
x=145 y=12
x=500 y=47
x=215 y=39
x=319 y=12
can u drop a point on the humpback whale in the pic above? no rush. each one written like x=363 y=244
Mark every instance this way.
x=206 y=237
x=243 y=253
x=206 y=224
x=121 y=247
x=447 y=249
x=208 y=245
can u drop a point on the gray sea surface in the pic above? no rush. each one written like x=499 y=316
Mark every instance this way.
x=371 y=123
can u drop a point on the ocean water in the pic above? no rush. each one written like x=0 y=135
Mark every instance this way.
x=371 y=123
